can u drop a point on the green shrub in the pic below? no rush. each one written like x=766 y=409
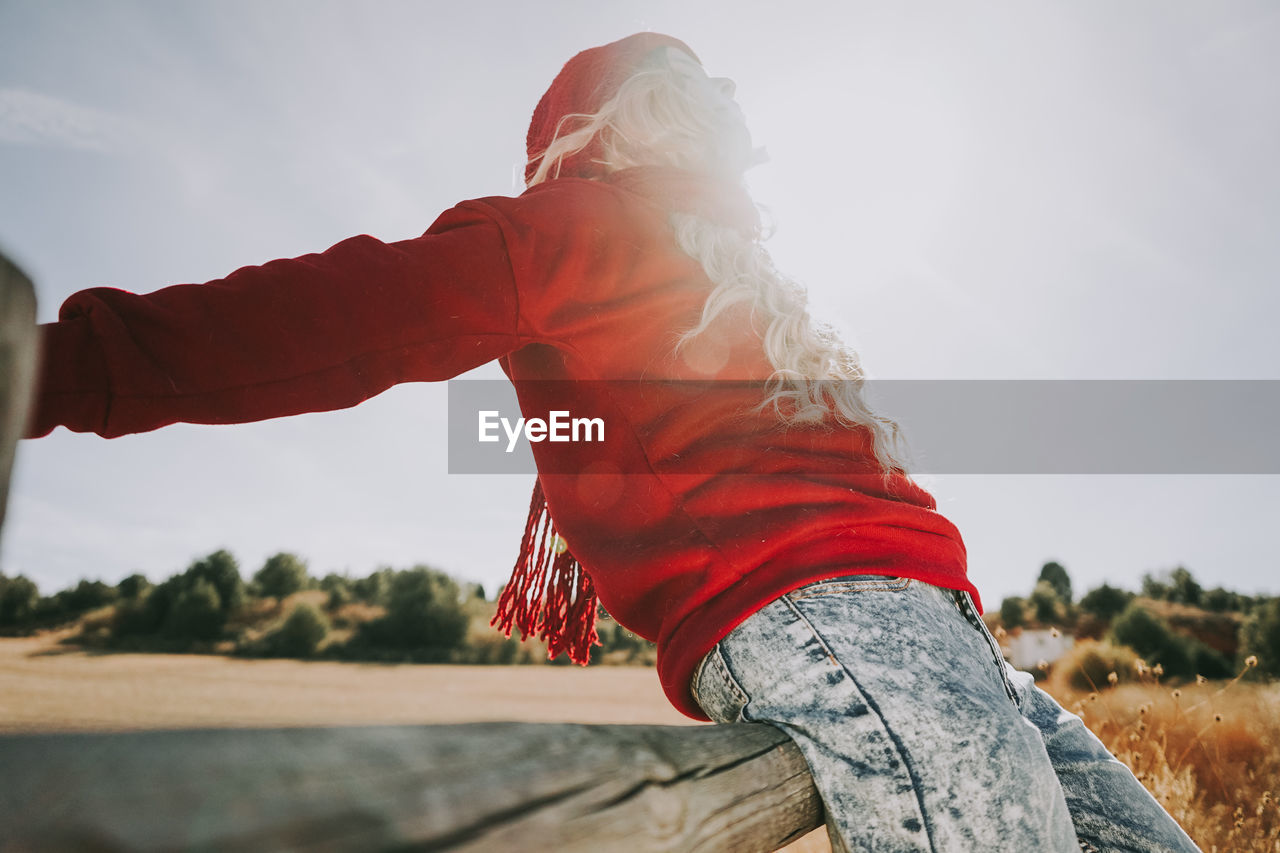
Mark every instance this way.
x=339 y=589
x=192 y=606
x=222 y=571
x=1209 y=662
x=87 y=595
x=18 y=599
x=374 y=588
x=491 y=647
x=1220 y=600
x=1056 y=576
x=133 y=587
x=1180 y=656
x=301 y=634
x=424 y=613
x=196 y=614
x=1183 y=588
x=1260 y=636
x=281 y=575
x=1151 y=638
x=1013 y=611
x=133 y=618
x=1106 y=602
x=1089 y=664
x=1046 y=604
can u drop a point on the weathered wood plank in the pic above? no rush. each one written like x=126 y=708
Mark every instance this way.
x=17 y=364
x=480 y=787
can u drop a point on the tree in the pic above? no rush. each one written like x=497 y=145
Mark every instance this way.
x=424 y=611
x=86 y=595
x=1260 y=635
x=133 y=587
x=339 y=589
x=1106 y=601
x=281 y=575
x=1177 y=586
x=222 y=571
x=196 y=614
x=18 y=598
x=1183 y=587
x=1154 y=587
x=1221 y=600
x=333 y=581
x=1045 y=603
x=373 y=589
x=1056 y=576
x=1013 y=611
x=146 y=613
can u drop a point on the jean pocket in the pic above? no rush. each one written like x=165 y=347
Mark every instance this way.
x=851 y=583
x=716 y=691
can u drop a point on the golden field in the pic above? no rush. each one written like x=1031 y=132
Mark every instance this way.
x=1209 y=752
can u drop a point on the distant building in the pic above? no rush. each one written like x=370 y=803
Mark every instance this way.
x=1026 y=648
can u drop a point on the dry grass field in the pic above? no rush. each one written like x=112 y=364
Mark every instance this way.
x=45 y=686
x=1210 y=753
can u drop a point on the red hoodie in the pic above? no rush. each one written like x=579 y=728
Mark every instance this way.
x=704 y=507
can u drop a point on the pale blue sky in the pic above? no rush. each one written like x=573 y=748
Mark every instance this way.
x=992 y=190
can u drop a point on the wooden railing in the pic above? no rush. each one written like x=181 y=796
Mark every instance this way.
x=17 y=364
x=479 y=787
x=483 y=787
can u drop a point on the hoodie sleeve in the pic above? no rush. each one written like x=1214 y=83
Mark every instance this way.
x=315 y=333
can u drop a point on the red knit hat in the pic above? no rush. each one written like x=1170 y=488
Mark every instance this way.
x=582 y=87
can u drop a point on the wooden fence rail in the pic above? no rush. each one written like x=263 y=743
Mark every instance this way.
x=17 y=363
x=478 y=787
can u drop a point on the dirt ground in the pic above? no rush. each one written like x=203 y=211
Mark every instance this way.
x=49 y=687
x=45 y=686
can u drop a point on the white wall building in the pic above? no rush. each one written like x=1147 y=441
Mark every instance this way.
x=1025 y=649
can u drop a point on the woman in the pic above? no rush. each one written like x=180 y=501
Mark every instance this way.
x=749 y=513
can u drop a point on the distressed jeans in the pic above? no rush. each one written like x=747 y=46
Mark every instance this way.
x=919 y=736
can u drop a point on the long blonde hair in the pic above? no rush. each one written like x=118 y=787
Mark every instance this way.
x=654 y=119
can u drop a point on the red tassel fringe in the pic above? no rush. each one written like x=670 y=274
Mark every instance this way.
x=549 y=594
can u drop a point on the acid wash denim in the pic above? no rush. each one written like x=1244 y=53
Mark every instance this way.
x=920 y=737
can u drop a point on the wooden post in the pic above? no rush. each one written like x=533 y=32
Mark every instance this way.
x=17 y=365
x=482 y=787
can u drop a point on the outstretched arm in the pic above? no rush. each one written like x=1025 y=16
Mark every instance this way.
x=320 y=332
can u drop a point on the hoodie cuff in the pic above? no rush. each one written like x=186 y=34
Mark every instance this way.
x=72 y=386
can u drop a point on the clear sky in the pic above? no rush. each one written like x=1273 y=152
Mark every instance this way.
x=980 y=190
